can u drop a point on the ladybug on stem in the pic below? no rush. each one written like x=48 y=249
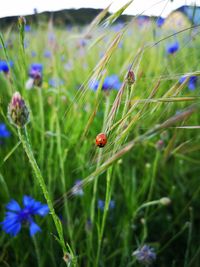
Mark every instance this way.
x=101 y=140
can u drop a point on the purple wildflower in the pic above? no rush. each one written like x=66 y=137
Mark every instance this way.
x=18 y=112
x=145 y=255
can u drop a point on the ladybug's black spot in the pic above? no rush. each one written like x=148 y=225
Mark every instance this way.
x=101 y=145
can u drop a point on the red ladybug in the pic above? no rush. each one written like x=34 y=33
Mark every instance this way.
x=101 y=140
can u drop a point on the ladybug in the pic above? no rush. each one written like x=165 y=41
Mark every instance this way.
x=101 y=140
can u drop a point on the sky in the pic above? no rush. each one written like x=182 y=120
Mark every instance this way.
x=147 y=7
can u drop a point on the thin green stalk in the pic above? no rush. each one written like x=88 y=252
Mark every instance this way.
x=189 y=239
x=37 y=251
x=62 y=168
x=105 y=212
x=42 y=127
x=43 y=186
x=153 y=178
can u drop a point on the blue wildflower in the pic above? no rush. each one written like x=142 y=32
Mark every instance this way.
x=16 y=216
x=81 y=43
x=35 y=73
x=172 y=48
x=160 y=21
x=51 y=37
x=33 y=54
x=4 y=66
x=4 y=133
x=101 y=204
x=36 y=67
x=145 y=255
x=47 y=53
x=110 y=82
x=27 y=28
x=191 y=83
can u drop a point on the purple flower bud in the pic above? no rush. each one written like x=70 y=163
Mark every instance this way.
x=18 y=112
x=160 y=145
x=130 y=77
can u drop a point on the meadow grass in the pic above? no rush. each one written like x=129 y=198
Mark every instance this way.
x=149 y=167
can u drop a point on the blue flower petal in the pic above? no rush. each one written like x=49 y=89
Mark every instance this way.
x=94 y=84
x=34 y=228
x=191 y=86
x=11 y=225
x=13 y=206
x=172 y=48
x=35 y=207
x=36 y=67
x=42 y=210
x=4 y=133
x=182 y=79
x=28 y=201
x=101 y=204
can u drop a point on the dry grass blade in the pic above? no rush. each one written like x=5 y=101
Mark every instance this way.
x=179 y=117
x=105 y=59
x=112 y=18
x=188 y=127
x=96 y=22
x=115 y=107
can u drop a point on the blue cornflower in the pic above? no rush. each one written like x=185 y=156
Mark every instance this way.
x=101 y=204
x=4 y=133
x=110 y=82
x=81 y=43
x=4 y=66
x=16 y=216
x=172 y=48
x=191 y=83
x=47 y=53
x=33 y=54
x=160 y=21
x=35 y=73
x=36 y=67
x=145 y=255
x=27 y=28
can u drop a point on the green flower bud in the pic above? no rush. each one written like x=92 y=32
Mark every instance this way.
x=165 y=201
